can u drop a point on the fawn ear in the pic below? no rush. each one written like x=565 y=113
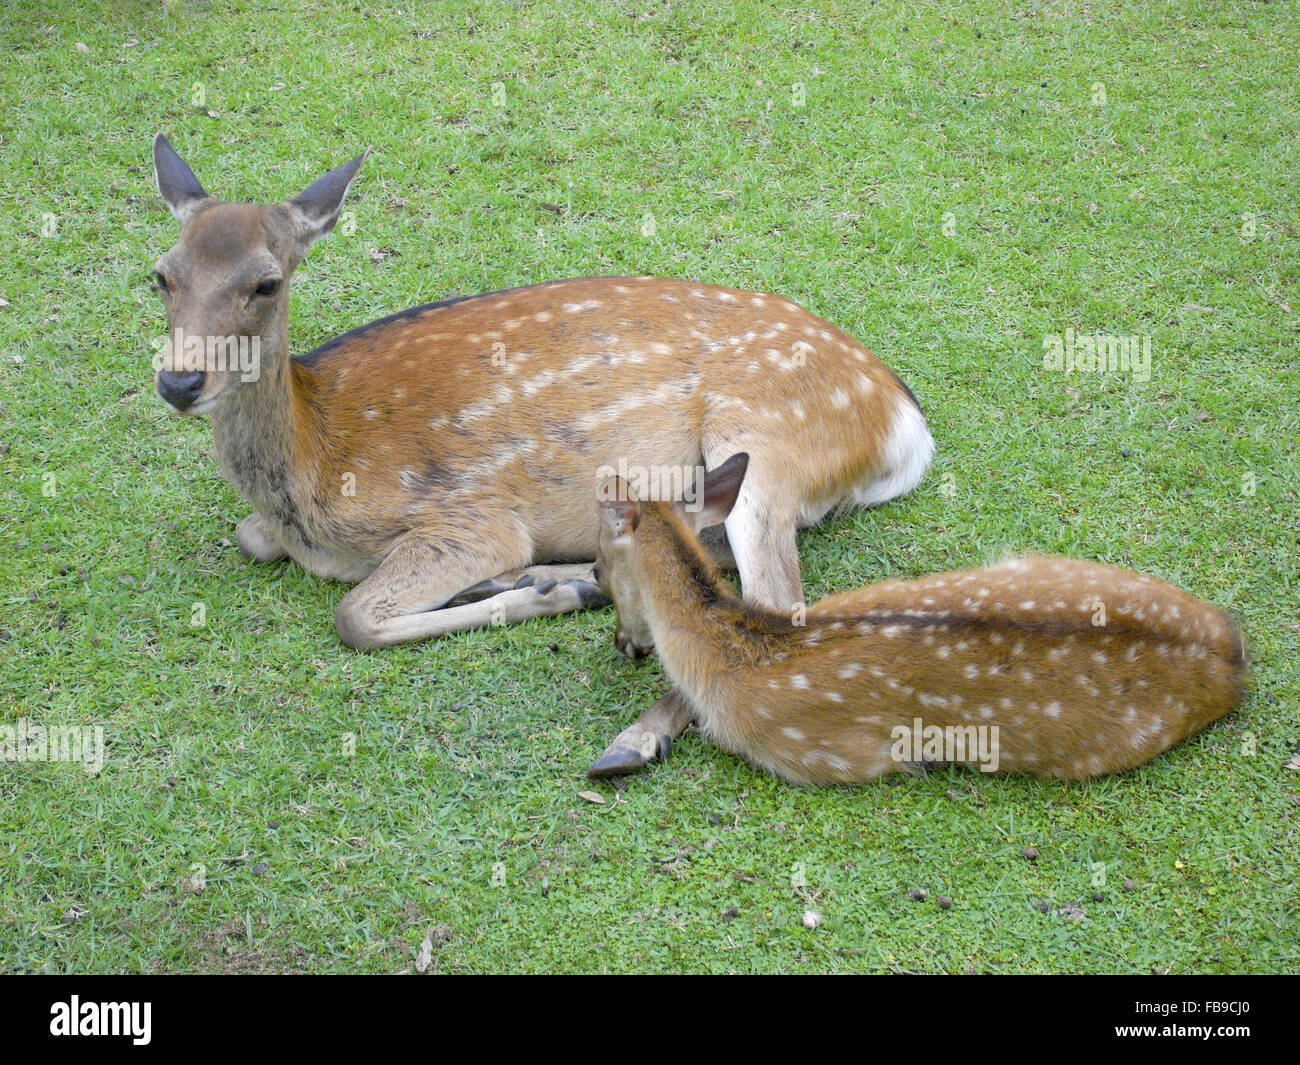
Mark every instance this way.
x=618 y=506
x=317 y=208
x=179 y=187
x=721 y=486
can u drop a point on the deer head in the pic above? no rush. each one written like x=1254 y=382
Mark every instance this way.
x=225 y=284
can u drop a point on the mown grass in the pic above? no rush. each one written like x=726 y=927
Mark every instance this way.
x=952 y=189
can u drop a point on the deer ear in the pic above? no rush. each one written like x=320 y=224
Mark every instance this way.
x=721 y=486
x=179 y=187
x=618 y=506
x=317 y=208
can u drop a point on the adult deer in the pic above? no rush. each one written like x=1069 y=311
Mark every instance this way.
x=1046 y=666
x=436 y=456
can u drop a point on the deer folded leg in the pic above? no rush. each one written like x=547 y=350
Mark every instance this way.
x=647 y=739
x=506 y=608
x=531 y=576
x=401 y=600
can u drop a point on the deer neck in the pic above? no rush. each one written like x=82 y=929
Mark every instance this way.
x=258 y=431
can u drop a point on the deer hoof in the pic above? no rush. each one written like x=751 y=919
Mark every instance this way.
x=589 y=595
x=624 y=756
x=476 y=593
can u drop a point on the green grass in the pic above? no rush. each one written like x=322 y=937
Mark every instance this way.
x=458 y=816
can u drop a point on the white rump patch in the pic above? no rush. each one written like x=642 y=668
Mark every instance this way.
x=905 y=457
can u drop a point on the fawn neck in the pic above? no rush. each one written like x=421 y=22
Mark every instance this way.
x=705 y=635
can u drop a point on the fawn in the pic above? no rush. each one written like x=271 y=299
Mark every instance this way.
x=435 y=456
x=1046 y=666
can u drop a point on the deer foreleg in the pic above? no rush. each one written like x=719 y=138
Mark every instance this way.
x=257 y=540
x=648 y=738
x=532 y=575
x=400 y=600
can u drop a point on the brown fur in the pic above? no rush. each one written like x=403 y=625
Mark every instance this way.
x=1083 y=668
x=453 y=444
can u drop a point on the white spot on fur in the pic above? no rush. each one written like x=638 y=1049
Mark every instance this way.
x=536 y=383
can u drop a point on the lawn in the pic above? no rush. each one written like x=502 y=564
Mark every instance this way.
x=953 y=184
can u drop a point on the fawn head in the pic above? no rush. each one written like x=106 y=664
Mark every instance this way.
x=619 y=569
x=225 y=284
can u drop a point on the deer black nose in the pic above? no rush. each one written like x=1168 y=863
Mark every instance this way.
x=181 y=389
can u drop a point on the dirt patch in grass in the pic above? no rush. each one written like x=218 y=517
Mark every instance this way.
x=226 y=949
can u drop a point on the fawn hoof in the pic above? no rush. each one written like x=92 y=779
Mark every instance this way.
x=627 y=755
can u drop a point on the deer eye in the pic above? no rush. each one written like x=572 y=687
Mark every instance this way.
x=269 y=287
x=159 y=282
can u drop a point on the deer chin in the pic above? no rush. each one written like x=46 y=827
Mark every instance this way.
x=196 y=409
x=201 y=406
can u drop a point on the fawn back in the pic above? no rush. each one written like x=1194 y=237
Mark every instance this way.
x=1047 y=666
